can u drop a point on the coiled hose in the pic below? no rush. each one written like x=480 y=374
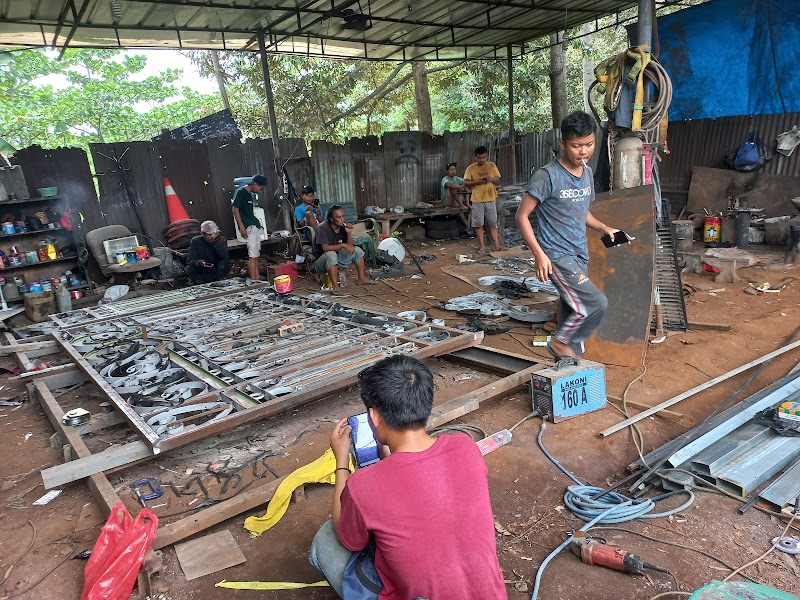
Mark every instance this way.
x=611 y=507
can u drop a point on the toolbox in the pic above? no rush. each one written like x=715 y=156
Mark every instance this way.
x=570 y=388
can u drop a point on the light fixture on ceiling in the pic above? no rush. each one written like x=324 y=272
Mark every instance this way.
x=116 y=10
x=356 y=21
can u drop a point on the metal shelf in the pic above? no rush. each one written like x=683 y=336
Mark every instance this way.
x=42 y=232
x=39 y=264
x=30 y=200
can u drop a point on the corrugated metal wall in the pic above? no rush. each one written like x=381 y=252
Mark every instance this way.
x=403 y=168
x=334 y=172
x=706 y=142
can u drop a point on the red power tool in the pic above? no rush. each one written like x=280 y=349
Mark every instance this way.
x=593 y=552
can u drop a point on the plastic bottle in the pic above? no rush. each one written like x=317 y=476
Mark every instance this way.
x=64 y=299
x=342 y=279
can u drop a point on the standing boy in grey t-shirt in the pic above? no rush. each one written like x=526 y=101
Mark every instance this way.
x=560 y=193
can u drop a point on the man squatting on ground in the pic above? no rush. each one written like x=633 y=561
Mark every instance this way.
x=482 y=176
x=560 y=193
x=246 y=221
x=208 y=255
x=425 y=504
x=334 y=248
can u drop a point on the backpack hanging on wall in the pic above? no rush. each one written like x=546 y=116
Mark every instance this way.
x=753 y=155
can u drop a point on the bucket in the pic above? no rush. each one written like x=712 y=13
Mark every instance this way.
x=684 y=231
x=35 y=287
x=283 y=284
x=326 y=281
x=8 y=228
x=141 y=252
x=32 y=257
x=712 y=229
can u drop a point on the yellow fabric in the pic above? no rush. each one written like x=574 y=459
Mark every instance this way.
x=639 y=54
x=485 y=192
x=268 y=585
x=321 y=470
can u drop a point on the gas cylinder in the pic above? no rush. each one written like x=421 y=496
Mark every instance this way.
x=628 y=155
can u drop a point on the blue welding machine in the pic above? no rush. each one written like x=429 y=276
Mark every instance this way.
x=570 y=388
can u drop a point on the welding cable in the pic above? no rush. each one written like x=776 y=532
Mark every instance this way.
x=609 y=508
x=578 y=498
x=468 y=428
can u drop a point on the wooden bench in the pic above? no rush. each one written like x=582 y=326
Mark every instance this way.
x=390 y=221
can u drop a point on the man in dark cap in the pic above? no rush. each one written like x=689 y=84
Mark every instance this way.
x=249 y=226
x=308 y=213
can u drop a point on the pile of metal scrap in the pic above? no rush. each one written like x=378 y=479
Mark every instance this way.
x=183 y=371
x=738 y=450
x=485 y=304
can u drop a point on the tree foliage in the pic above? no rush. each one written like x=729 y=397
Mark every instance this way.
x=101 y=99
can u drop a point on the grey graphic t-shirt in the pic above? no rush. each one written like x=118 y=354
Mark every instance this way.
x=561 y=212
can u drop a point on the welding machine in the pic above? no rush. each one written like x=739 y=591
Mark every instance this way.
x=572 y=387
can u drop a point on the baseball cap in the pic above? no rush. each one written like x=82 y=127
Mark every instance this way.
x=307 y=190
x=259 y=180
x=209 y=227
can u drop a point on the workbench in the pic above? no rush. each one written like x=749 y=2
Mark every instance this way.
x=390 y=221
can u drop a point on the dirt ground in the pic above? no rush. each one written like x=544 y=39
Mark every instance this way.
x=526 y=489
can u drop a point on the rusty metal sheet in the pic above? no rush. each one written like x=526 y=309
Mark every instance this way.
x=402 y=159
x=625 y=274
x=710 y=189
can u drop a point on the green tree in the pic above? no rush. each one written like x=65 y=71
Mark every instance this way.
x=100 y=102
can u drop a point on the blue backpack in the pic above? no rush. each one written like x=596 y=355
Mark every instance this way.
x=361 y=580
x=753 y=155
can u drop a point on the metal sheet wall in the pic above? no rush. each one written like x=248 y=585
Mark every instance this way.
x=333 y=168
x=706 y=142
x=535 y=150
x=368 y=171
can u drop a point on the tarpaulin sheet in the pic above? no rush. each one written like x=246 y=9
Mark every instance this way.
x=732 y=57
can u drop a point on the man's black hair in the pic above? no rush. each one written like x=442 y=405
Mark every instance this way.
x=400 y=388
x=329 y=214
x=451 y=165
x=577 y=124
x=480 y=150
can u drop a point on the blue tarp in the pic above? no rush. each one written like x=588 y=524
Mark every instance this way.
x=732 y=57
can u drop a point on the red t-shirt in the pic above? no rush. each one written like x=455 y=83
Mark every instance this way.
x=432 y=520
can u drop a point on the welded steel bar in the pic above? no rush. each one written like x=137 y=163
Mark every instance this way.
x=695 y=390
x=783 y=393
x=784 y=490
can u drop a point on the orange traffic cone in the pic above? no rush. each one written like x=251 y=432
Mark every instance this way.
x=174 y=205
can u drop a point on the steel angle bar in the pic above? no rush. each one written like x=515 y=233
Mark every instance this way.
x=784 y=490
x=721 y=453
x=710 y=383
x=768 y=399
x=750 y=470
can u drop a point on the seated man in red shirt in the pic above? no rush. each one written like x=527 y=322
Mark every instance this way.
x=425 y=505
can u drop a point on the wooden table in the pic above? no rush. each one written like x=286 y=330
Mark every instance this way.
x=390 y=221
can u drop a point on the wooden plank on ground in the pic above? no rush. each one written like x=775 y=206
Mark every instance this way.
x=101 y=489
x=38 y=374
x=115 y=456
x=215 y=514
x=196 y=561
x=700 y=325
x=26 y=347
x=461 y=405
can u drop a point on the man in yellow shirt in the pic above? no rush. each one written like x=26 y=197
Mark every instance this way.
x=482 y=176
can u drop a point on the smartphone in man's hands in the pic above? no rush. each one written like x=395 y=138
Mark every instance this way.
x=620 y=237
x=365 y=446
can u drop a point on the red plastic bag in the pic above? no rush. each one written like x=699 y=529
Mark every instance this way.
x=118 y=554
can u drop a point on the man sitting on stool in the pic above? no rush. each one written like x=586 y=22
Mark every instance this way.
x=334 y=248
x=208 y=255
x=308 y=213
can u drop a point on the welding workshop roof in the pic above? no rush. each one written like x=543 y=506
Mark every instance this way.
x=371 y=29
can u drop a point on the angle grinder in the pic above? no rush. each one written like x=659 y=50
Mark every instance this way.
x=593 y=552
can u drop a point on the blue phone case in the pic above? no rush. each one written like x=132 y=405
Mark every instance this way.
x=365 y=447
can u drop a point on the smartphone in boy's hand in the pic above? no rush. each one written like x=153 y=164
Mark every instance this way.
x=365 y=446
x=620 y=237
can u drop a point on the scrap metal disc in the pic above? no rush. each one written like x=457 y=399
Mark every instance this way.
x=787 y=544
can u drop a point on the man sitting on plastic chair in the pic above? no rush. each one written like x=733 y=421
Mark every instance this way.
x=334 y=248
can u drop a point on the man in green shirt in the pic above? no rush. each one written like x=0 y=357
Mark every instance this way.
x=248 y=224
